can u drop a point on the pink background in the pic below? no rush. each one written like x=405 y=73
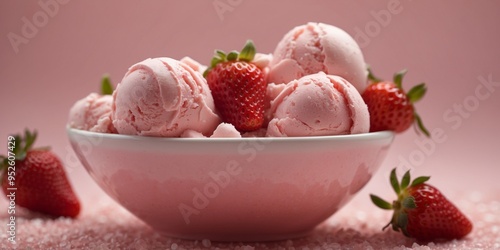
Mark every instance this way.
x=447 y=44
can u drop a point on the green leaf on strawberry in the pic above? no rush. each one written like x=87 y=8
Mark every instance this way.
x=39 y=178
x=398 y=78
x=247 y=54
x=21 y=145
x=390 y=107
x=416 y=93
x=232 y=56
x=421 y=211
x=371 y=76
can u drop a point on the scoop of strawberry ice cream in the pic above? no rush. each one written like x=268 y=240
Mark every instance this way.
x=163 y=97
x=318 y=104
x=92 y=113
x=195 y=65
x=272 y=91
x=224 y=130
x=316 y=47
x=192 y=134
x=262 y=61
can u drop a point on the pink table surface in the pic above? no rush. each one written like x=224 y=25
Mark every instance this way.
x=103 y=224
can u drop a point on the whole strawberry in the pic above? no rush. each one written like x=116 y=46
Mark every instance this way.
x=422 y=212
x=238 y=87
x=37 y=179
x=390 y=107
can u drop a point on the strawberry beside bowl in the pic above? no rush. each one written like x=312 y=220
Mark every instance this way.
x=231 y=189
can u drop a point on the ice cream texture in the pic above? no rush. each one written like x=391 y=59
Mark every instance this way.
x=163 y=97
x=316 y=47
x=314 y=79
x=318 y=104
x=195 y=65
x=224 y=130
x=92 y=113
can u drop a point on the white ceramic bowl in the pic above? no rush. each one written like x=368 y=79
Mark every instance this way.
x=231 y=189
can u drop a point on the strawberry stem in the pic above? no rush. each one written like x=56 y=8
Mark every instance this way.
x=402 y=223
x=409 y=202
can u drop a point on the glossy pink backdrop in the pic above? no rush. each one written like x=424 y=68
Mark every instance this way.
x=54 y=52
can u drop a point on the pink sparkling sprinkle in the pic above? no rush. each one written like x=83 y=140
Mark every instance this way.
x=105 y=225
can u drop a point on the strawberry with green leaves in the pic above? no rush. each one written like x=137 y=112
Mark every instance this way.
x=37 y=178
x=422 y=212
x=390 y=107
x=238 y=87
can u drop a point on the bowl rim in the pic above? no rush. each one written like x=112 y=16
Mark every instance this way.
x=351 y=137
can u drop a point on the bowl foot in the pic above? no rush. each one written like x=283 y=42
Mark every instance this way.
x=235 y=237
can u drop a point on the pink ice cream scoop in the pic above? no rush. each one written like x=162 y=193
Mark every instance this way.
x=163 y=97
x=92 y=113
x=195 y=65
x=224 y=130
x=318 y=104
x=315 y=47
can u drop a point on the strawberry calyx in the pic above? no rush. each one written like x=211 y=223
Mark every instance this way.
x=415 y=94
x=247 y=54
x=371 y=76
x=403 y=203
x=19 y=147
x=398 y=78
x=106 y=86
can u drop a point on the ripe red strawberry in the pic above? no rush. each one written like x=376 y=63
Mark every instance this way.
x=422 y=212
x=390 y=107
x=238 y=87
x=37 y=179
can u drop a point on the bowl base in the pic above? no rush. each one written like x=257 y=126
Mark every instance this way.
x=256 y=237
